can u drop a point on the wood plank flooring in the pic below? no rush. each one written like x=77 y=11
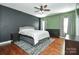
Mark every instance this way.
x=12 y=49
x=53 y=48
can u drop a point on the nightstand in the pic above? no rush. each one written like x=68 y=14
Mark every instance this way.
x=14 y=37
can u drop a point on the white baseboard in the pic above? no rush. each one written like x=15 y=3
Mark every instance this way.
x=6 y=42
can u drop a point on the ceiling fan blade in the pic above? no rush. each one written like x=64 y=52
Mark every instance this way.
x=45 y=6
x=46 y=9
x=36 y=8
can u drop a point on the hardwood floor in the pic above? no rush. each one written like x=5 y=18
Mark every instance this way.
x=11 y=49
x=52 y=49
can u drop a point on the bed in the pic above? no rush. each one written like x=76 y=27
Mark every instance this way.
x=31 y=35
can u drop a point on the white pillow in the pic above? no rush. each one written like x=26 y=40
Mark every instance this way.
x=26 y=27
x=23 y=31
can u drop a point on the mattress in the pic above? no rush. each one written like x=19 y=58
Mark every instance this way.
x=37 y=35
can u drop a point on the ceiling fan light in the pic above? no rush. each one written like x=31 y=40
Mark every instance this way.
x=41 y=15
x=41 y=12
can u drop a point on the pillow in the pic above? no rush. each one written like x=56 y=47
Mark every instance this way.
x=22 y=29
x=26 y=27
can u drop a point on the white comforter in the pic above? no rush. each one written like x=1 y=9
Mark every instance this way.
x=36 y=34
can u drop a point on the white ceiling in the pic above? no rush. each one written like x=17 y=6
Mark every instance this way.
x=29 y=8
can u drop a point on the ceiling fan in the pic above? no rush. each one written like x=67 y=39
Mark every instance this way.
x=42 y=8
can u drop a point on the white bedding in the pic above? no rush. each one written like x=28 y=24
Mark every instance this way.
x=35 y=34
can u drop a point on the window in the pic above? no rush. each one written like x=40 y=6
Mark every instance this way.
x=66 y=28
x=65 y=25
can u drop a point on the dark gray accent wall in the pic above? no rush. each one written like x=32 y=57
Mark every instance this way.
x=0 y=21
x=11 y=20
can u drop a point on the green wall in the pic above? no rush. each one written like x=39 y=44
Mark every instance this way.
x=56 y=21
x=53 y=22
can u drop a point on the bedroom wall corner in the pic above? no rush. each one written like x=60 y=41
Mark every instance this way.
x=12 y=19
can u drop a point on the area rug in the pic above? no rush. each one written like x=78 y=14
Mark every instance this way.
x=34 y=50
